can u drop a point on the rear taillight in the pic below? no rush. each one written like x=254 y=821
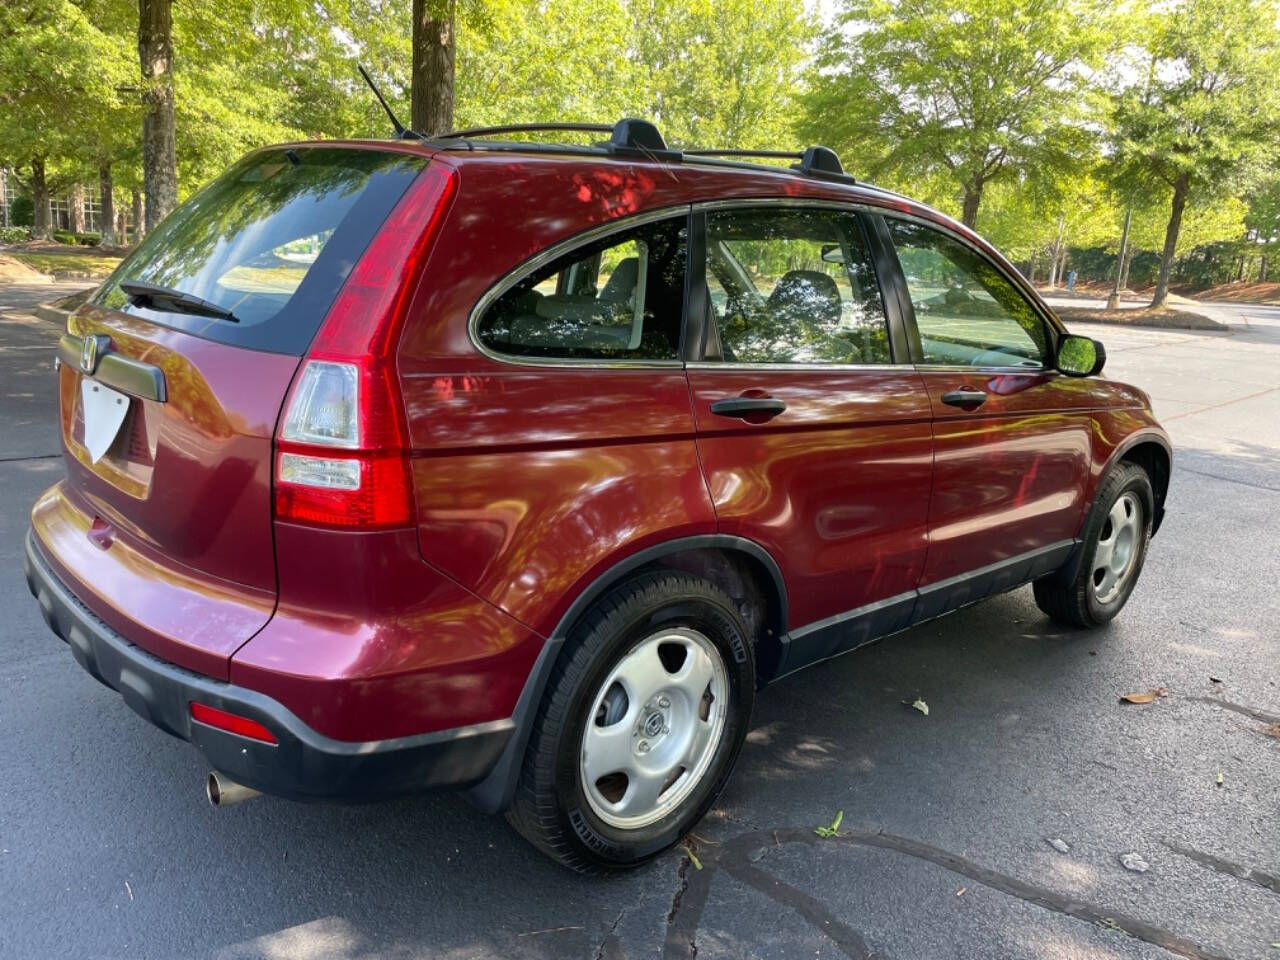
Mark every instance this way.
x=342 y=450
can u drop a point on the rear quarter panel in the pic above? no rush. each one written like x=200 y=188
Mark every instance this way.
x=532 y=480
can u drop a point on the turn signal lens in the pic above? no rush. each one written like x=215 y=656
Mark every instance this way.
x=325 y=406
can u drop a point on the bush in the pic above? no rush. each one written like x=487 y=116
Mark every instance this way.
x=14 y=234
x=77 y=239
x=22 y=213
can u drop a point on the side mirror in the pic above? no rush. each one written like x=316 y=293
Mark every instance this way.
x=1080 y=356
x=831 y=253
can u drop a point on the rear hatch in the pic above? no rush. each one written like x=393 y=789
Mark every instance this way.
x=172 y=380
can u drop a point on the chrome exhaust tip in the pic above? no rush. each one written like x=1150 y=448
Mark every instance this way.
x=223 y=791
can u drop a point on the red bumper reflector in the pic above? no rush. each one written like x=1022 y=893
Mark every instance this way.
x=241 y=726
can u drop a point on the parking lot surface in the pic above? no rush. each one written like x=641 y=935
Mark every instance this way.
x=993 y=827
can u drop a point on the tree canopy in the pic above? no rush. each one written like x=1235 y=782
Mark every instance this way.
x=1039 y=122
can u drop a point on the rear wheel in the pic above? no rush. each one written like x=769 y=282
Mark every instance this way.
x=640 y=725
x=1115 y=546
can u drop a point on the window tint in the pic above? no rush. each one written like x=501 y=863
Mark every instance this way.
x=966 y=311
x=621 y=298
x=271 y=240
x=794 y=286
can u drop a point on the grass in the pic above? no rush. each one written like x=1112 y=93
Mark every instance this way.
x=1140 y=317
x=67 y=266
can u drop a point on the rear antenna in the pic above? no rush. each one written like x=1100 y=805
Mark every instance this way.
x=402 y=132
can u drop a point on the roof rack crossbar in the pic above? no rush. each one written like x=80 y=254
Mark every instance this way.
x=774 y=154
x=527 y=128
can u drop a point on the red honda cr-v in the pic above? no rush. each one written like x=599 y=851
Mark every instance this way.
x=520 y=467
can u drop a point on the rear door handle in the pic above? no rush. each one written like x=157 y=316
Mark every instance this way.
x=965 y=397
x=746 y=406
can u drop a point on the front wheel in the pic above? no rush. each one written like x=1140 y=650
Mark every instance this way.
x=1115 y=542
x=640 y=725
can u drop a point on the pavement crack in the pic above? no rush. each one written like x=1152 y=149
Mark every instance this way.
x=1218 y=476
x=850 y=942
x=687 y=904
x=1238 y=708
x=36 y=456
x=733 y=858
x=1231 y=869
x=611 y=945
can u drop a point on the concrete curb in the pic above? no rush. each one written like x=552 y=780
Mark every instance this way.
x=51 y=313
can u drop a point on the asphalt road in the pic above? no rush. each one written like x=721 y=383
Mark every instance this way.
x=108 y=849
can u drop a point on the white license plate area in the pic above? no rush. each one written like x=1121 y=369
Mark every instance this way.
x=104 y=411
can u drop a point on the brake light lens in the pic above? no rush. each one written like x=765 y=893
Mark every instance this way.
x=342 y=451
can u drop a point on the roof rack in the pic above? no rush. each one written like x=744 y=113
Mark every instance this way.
x=631 y=137
x=628 y=137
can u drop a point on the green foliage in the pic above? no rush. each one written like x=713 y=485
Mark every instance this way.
x=1208 y=108
x=1040 y=121
x=14 y=234
x=77 y=239
x=969 y=90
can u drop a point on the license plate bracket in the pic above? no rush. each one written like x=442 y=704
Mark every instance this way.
x=104 y=411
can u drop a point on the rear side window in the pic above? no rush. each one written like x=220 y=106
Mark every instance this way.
x=794 y=286
x=271 y=240
x=618 y=298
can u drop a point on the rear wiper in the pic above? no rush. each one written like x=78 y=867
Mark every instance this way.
x=166 y=298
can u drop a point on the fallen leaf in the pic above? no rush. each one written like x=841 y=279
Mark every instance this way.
x=693 y=857
x=960 y=892
x=832 y=830
x=921 y=706
x=1059 y=844
x=1214 y=680
x=1134 y=863
x=1219 y=778
x=1149 y=696
x=1272 y=731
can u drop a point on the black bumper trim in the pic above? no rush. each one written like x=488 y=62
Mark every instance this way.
x=305 y=764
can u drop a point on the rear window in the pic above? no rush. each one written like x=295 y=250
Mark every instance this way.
x=271 y=240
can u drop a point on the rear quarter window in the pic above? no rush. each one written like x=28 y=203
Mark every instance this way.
x=620 y=297
x=272 y=240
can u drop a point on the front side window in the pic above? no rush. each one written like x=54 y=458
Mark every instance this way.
x=619 y=298
x=794 y=286
x=966 y=311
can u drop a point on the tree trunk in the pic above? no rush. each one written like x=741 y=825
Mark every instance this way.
x=159 y=149
x=1031 y=274
x=106 y=205
x=75 y=209
x=1125 y=264
x=1113 y=301
x=972 y=198
x=1181 y=187
x=139 y=215
x=433 y=63
x=41 y=229
x=1262 y=270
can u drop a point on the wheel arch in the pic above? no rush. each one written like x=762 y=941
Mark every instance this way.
x=1150 y=451
x=741 y=567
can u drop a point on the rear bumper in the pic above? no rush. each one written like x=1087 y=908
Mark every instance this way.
x=304 y=764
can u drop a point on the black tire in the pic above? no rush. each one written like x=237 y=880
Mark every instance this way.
x=1075 y=602
x=550 y=808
